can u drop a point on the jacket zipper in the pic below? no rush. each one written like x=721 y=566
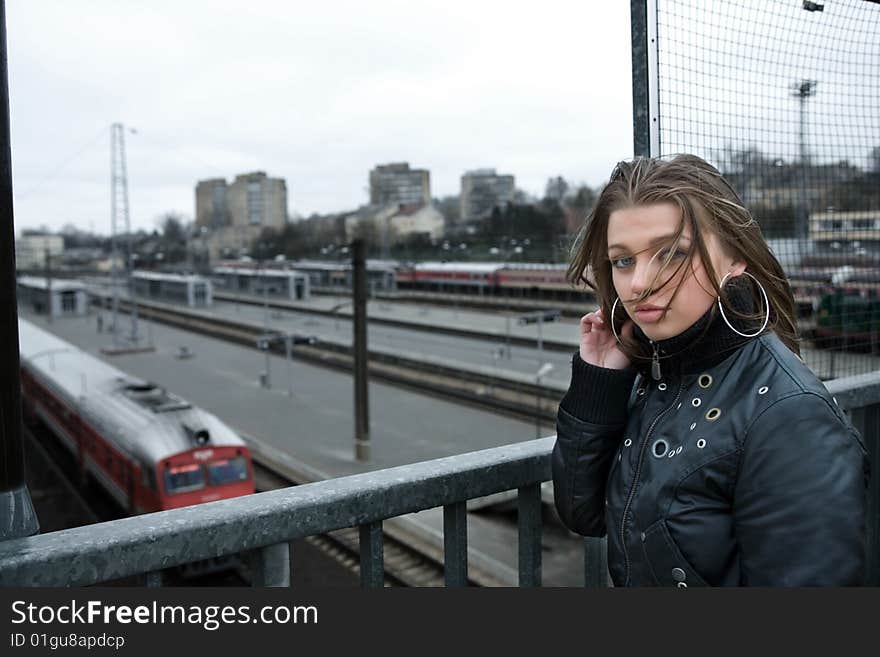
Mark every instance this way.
x=655 y=363
x=632 y=490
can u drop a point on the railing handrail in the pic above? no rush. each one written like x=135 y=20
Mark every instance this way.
x=856 y=391
x=151 y=542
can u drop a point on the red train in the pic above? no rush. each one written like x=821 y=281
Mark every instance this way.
x=149 y=449
x=485 y=278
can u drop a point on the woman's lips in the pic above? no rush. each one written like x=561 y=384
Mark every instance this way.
x=649 y=315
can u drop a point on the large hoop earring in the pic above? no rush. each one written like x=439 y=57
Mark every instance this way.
x=766 y=303
x=611 y=320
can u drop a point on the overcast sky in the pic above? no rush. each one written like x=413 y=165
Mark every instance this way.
x=316 y=93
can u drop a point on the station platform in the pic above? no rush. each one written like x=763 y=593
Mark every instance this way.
x=314 y=428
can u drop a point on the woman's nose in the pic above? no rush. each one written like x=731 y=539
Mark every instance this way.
x=640 y=279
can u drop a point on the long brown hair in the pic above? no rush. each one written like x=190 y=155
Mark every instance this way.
x=707 y=202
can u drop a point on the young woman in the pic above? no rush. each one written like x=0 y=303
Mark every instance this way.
x=692 y=434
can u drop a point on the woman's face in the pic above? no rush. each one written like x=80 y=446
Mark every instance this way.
x=639 y=238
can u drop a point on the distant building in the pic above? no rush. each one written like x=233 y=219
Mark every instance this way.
x=482 y=190
x=416 y=219
x=212 y=209
x=30 y=250
x=397 y=184
x=56 y=296
x=857 y=230
x=194 y=291
x=254 y=199
x=278 y=283
x=397 y=222
x=236 y=213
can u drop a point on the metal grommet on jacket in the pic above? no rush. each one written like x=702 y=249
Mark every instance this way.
x=713 y=414
x=659 y=448
x=704 y=381
x=679 y=575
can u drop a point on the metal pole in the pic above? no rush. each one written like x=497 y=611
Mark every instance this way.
x=17 y=515
x=361 y=400
x=641 y=116
x=540 y=338
x=123 y=181
x=268 y=365
x=537 y=407
x=265 y=296
x=803 y=177
x=113 y=268
x=49 y=285
x=803 y=90
x=289 y=380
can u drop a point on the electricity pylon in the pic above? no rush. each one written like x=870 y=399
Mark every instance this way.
x=119 y=211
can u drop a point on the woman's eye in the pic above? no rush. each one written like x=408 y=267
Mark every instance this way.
x=620 y=263
x=665 y=254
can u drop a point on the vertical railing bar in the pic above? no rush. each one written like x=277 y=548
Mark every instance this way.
x=867 y=420
x=153 y=579
x=372 y=555
x=290 y=567
x=455 y=543
x=595 y=562
x=529 y=527
x=271 y=565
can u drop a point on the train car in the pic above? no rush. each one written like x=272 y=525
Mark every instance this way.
x=149 y=449
x=459 y=277
x=848 y=318
x=534 y=275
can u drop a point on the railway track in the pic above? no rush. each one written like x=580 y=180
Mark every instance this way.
x=487 y=303
x=519 y=399
x=405 y=565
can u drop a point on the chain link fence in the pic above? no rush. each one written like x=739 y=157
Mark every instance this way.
x=783 y=97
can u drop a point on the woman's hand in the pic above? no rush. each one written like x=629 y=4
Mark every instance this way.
x=598 y=344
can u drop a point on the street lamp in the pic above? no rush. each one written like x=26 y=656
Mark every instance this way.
x=803 y=90
x=544 y=370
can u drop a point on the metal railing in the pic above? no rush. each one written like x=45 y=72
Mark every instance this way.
x=263 y=524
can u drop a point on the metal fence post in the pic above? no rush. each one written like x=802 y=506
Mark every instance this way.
x=641 y=118
x=455 y=558
x=867 y=420
x=271 y=565
x=595 y=562
x=17 y=515
x=361 y=384
x=529 y=527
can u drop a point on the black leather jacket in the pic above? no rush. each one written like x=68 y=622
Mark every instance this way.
x=735 y=468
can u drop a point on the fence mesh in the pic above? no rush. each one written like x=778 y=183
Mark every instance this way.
x=784 y=98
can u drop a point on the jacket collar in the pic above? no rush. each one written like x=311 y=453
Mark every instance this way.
x=707 y=342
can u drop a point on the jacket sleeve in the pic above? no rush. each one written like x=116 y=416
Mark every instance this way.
x=589 y=426
x=801 y=496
